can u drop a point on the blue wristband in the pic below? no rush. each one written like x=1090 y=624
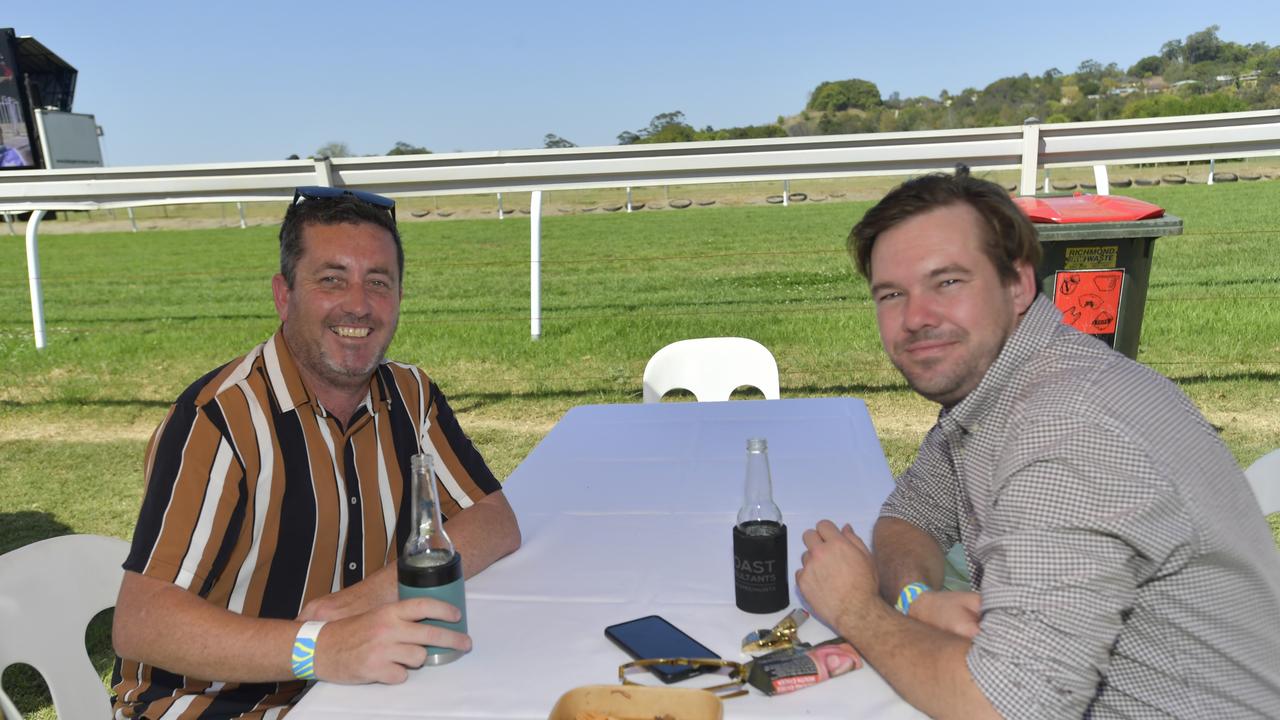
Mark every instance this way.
x=908 y=595
x=304 y=650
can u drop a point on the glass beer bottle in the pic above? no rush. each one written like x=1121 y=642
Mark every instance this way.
x=430 y=566
x=761 y=582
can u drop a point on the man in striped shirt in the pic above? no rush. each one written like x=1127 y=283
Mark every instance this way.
x=275 y=494
x=1121 y=566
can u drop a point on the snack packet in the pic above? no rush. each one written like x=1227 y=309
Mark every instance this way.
x=795 y=668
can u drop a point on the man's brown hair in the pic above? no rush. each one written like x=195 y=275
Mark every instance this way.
x=1011 y=236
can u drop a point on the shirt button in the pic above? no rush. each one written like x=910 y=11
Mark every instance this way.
x=353 y=500
x=351 y=566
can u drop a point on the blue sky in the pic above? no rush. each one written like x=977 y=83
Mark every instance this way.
x=178 y=82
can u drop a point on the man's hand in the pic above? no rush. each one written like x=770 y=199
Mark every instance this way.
x=382 y=644
x=955 y=612
x=925 y=665
x=838 y=576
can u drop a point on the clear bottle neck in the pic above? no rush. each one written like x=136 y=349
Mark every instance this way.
x=428 y=543
x=757 y=504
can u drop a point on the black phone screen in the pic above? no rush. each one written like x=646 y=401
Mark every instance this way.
x=653 y=637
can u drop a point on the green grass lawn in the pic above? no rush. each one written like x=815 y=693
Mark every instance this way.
x=133 y=318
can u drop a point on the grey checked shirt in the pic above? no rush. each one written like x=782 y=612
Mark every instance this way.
x=1125 y=567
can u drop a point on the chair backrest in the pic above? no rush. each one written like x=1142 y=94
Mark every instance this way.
x=49 y=591
x=711 y=369
x=7 y=710
x=1264 y=478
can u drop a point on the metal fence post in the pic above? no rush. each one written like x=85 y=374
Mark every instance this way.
x=535 y=264
x=33 y=276
x=1030 y=156
x=1101 y=180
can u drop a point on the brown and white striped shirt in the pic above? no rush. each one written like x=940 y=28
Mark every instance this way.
x=259 y=500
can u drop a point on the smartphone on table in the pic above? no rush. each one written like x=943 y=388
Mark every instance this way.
x=652 y=637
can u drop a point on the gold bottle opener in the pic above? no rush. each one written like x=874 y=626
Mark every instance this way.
x=782 y=635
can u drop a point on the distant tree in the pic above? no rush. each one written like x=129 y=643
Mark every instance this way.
x=672 y=132
x=1172 y=50
x=661 y=121
x=1203 y=46
x=1147 y=66
x=827 y=97
x=747 y=132
x=404 y=148
x=1267 y=61
x=863 y=94
x=837 y=95
x=333 y=149
x=1090 y=67
x=1233 y=53
x=663 y=127
x=1155 y=106
x=551 y=140
x=1215 y=103
x=294 y=156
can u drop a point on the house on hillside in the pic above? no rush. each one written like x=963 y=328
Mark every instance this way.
x=1250 y=79
x=1154 y=84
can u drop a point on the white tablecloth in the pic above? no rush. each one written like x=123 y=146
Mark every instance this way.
x=627 y=510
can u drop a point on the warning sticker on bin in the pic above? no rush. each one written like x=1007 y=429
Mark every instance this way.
x=1084 y=258
x=1090 y=300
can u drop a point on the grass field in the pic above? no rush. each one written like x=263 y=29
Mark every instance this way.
x=133 y=318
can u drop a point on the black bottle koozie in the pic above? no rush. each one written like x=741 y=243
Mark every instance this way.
x=760 y=576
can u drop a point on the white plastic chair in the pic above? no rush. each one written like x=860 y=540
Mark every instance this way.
x=1264 y=478
x=711 y=369
x=7 y=710
x=49 y=591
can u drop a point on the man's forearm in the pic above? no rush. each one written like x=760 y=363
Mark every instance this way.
x=375 y=590
x=484 y=532
x=904 y=554
x=163 y=625
x=926 y=666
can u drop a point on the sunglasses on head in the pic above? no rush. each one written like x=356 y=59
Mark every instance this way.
x=319 y=192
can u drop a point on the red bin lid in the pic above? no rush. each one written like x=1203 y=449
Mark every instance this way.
x=1082 y=208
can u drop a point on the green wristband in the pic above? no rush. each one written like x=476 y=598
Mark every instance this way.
x=908 y=595
x=304 y=650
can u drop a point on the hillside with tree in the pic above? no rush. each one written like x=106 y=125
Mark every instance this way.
x=1201 y=73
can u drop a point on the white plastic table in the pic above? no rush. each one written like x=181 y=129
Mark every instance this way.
x=627 y=510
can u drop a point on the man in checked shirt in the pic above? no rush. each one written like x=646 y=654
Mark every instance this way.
x=1120 y=565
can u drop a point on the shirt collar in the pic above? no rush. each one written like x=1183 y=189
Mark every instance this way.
x=291 y=391
x=1034 y=331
